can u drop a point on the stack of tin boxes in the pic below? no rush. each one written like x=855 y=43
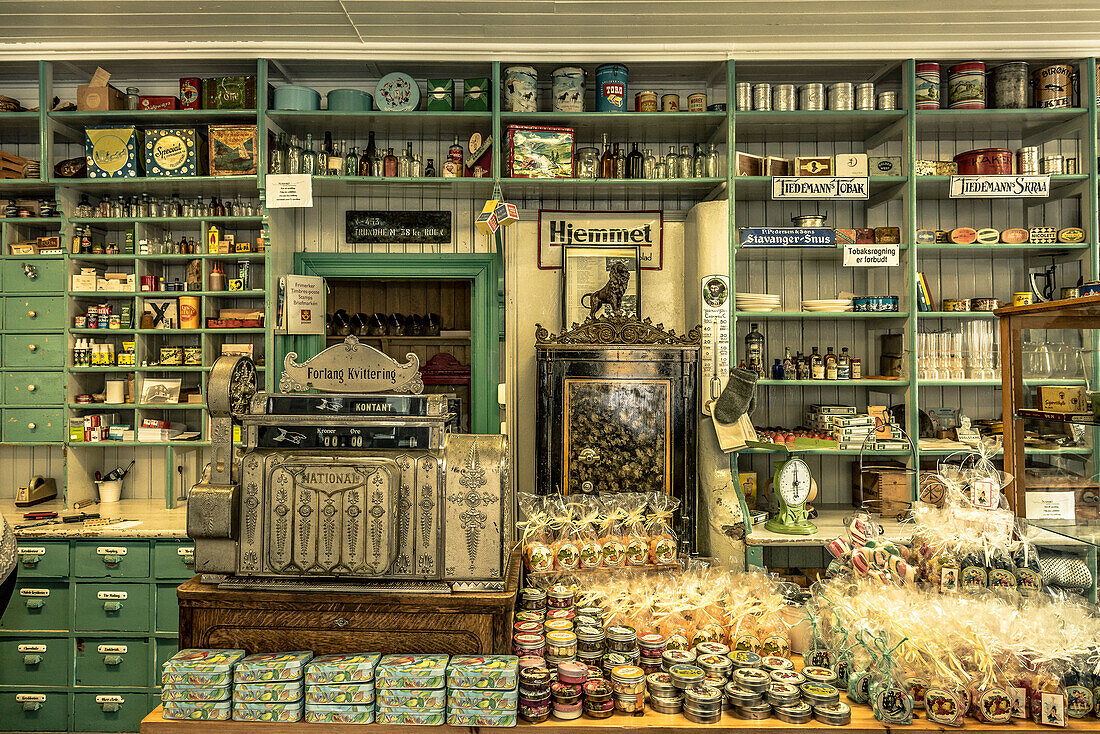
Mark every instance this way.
x=483 y=690
x=198 y=684
x=269 y=686
x=340 y=689
x=412 y=689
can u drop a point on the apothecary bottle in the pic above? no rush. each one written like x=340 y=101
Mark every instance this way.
x=649 y=165
x=754 y=349
x=660 y=171
x=389 y=165
x=634 y=163
x=351 y=162
x=294 y=156
x=712 y=162
x=620 y=163
x=417 y=167
x=336 y=159
x=844 y=365
x=429 y=168
x=607 y=160
x=830 y=364
x=817 y=366
x=687 y=163
x=309 y=157
x=277 y=159
x=588 y=162
x=404 y=163
x=699 y=162
x=673 y=161
x=84 y=208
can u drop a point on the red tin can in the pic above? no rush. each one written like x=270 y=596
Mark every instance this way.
x=966 y=86
x=190 y=93
x=986 y=162
x=645 y=102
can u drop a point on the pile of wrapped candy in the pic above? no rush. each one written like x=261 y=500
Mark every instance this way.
x=612 y=530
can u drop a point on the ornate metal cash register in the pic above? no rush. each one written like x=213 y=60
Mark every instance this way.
x=359 y=484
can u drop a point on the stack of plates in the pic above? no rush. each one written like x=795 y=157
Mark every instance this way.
x=827 y=305
x=759 y=302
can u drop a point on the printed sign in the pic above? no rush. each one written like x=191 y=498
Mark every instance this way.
x=999 y=187
x=819 y=187
x=34 y=592
x=560 y=228
x=714 y=352
x=288 y=190
x=870 y=256
x=1050 y=506
x=380 y=227
x=111 y=649
x=30 y=648
x=30 y=698
x=786 y=237
x=31 y=550
x=111 y=595
x=303 y=304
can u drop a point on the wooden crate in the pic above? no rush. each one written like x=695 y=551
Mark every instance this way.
x=883 y=489
x=11 y=165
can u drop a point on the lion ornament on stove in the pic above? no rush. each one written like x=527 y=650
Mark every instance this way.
x=612 y=292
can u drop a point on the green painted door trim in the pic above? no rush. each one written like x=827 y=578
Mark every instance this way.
x=482 y=269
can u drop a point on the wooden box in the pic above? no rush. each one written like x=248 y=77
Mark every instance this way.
x=232 y=150
x=11 y=165
x=883 y=488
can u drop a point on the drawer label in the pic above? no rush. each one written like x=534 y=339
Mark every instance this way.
x=110 y=699
x=113 y=595
x=112 y=649
x=31 y=550
x=30 y=648
x=110 y=550
x=34 y=592
x=30 y=698
x=185 y=551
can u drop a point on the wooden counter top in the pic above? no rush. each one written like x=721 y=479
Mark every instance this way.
x=152 y=518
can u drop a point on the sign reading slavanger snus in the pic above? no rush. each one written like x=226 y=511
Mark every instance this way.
x=377 y=227
x=559 y=228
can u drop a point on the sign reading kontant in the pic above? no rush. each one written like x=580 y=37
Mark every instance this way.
x=819 y=187
x=641 y=229
x=398 y=227
x=998 y=187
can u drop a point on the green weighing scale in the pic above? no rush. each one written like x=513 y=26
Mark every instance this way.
x=791 y=485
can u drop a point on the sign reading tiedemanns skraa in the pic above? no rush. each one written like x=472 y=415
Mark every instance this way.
x=999 y=187
x=398 y=227
x=819 y=187
x=560 y=228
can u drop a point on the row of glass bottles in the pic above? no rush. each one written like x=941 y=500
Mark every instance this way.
x=697 y=161
x=164 y=206
x=338 y=159
x=813 y=366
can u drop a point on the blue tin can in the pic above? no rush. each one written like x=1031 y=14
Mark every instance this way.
x=521 y=89
x=350 y=100
x=569 y=89
x=291 y=97
x=611 y=88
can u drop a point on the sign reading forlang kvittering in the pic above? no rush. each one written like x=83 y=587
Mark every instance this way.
x=398 y=227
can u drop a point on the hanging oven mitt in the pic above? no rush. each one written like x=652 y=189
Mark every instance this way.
x=738 y=398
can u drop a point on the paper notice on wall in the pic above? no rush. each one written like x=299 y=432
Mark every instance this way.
x=1050 y=506
x=870 y=256
x=305 y=304
x=288 y=190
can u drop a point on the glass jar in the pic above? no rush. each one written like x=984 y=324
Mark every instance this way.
x=528 y=643
x=627 y=679
x=561 y=644
x=530 y=616
x=588 y=162
x=566 y=614
x=558 y=625
x=527 y=626
x=652 y=645
x=560 y=597
x=621 y=638
x=133 y=98
x=590 y=640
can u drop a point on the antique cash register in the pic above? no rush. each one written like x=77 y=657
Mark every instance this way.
x=359 y=484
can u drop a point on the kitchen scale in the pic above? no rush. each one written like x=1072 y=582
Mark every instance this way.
x=792 y=484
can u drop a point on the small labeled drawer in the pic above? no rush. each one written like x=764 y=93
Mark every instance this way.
x=22 y=711
x=35 y=313
x=38 y=605
x=173 y=560
x=33 y=425
x=35 y=661
x=112 y=607
x=108 y=711
x=38 y=558
x=34 y=388
x=112 y=662
x=33 y=276
x=168 y=611
x=34 y=350
x=107 y=559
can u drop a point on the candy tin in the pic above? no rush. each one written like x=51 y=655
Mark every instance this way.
x=339 y=714
x=986 y=162
x=660 y=684
x=718 y=681
x=201 y=667
x=926 y=236
x=198 y=710
x=630 y=679
x=745 y=659
x=569 y=672
x=267 y=711
x=833 y=714
x=350 y=693
x=532 y=597
x=783 y=694
x=756 y=711
x=711 y=648
x=987 y=236
x=1042 y=235
x=483 y=671
x=561 y=644
x=565 y=691
x=717 y=664
x=875 y=304
x=792 y=677
x=1014 y=236
x=490 y=701
x=556 y=624
x=527 y=627
x=271 y=666
x=984 y=304
x=462 y=717
x=177 y=692
x=702 y=718
x=412 y=671
x=683 y=675
x=397 y=92
x=666 y=704
x=419 y=718
x=816 y=693
x=956 y=304
x=274 y=692
x=534 y=710
x=419 y=698
x=567 y=711
x=531 y=615
x=530 y=661
x=702 y=697
x=677 y=657
x=740 y=696
x=630 y=703
x=795 y=713
x=561 y=614
x=1073 y=235
x=819 y=674
x=774 y=662
x=752 y=678
x=963 y=235
x=534 y=677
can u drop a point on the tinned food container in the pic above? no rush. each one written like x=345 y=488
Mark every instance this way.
x=198 y=710
x=272 y=666
x=201 y=667
x=348 y=693
x=339 y=713
x=181 y=692
x=985 y=162
x=966 y=86
x=412 y=698
x=483 y=671
x=280 y=712
x=268 y=692
x=645 y=101
x=412 y=671
x=1053 y=86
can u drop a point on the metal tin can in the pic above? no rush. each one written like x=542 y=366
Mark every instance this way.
x=865 y=96
x=192 y=355
x=190 y=93
x=521 y=89
x=984 y=304
x=1070 y=165
x=887 y=100
x=985 y=162
x=645 y=102
x=569 y=89
x=671 y=102
x=1010 y=86
x=784 y=97
x=762 y=96
x=1070 y=292
x=966 y=86
x=1027 y=160
x=742 y=96
x=927 y=85
x=1089 y=288
x=956 y=304
x=1053 y=86
x=171 y=356
x=841 y=96
x=1023 y=298
x=1052 y=164
x=611 y=88
x=697 y=102
x=811 y=96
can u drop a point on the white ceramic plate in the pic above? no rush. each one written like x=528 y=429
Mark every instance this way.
x=757 y=309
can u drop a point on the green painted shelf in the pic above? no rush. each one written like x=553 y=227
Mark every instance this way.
x=886 y=384
x=820 y=316
x=44 y=221
x=148 y=117
x=396 y=126
x=956 y=315
x=191 y=185
x=167 y=220
x=793 y=253
x=986 y=124
x=818 y=125
x=987 y=251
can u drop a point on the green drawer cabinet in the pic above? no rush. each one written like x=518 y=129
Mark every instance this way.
x=34 y=350
x=32 y=711
x=34 y=276
x=35 y=313
x=35 y=661
x=106 y=711
x=34 y=388
x=174 y=560
x=109 y=661
x=166 y=648
x=112 y=607
x=43 y=558
x=112 y=559
x=33 y=425
x=168 y=612
x=38 y=605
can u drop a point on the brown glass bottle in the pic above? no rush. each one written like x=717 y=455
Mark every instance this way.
x=607 y=160
x=635 y=163
x=389 y=164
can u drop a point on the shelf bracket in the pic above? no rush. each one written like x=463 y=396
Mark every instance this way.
x=893 y=130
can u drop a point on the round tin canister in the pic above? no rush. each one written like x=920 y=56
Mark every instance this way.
x=1027 y=160
x=811 y=96
x=841 y=96
x=865 y=96
x=697 y=102
x=171 y=356
x=927 y=85
x=966 y=86
x=742 y=96
x=1053 y=86
x=189 y=312
x=568 y=89
x=350 y=100
x=762 y=96
x=1023 y=298
x=956 y=304
x=1070 y=292
x=1052 y=164
x=521 y=89
x=799 y=713
x=784 y=97
x=611 y=88
x=671 y=102
x=887 y=100
x=984 y=304
x=985 y=162
x=645 y=102
x=192 y=355
x=1070 y=165
x=1009 y=86
x=291 y=97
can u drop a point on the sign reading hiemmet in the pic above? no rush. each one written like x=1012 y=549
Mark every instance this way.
x=642 y=229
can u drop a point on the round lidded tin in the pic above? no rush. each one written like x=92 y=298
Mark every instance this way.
x=532 y=598
x=987 y=236
x=811 y=96
x=697 y=717
x=927 y=86
x=565 y=692
x=292 y=97
x=715 y=664
x=611 y=88
x=842 y=96
x=558 y=625
x=788 y=676
x=561 y=644
x=697 y=102
x=663 y=705
x=745 y=659
x=887 y=100
x=628 y=679
x=621 y=638
x=686 y=675
x=560 y=597
x=677 y=657
x=535 y=711
x=652 y=644
x=645 y=101
x=817 y=694
x=985 y=162
x=349 y=100
x=743 y=96
x=762 y=96
x=630 y=703
x=1053 y=86
x=1027 y=160
x=1052 y=164
x=834 y=714
x=599 y=690
x=192 y=355
x=752 y=678
x=531 y=615
x=521 y=89
x=599 y=709
x=819 y=674
x=671 y=102
x=560 y=615
x=701 y=696
x=984 y=304
x=774 y=662
x=783 y=694
x=677 y=640
x=966 y=86
x=741 y=696
x=1070 y=165
x=660 y=684
x=1010 y=86
x=572 y=672
x=956 y=304
x=797 y=713
x=756 y=712
x=865 y=96
x=568 y=89
x=1023 y=298
x=718 y=681
x=530 y=661
x=531 y=627
x=784 y=97
x=711 y=648
x=590 y=639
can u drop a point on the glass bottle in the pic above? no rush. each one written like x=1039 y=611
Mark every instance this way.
x=351 y=163
x=336 y=159
x=454 y=167
x=661 y=170
x=84 y=208
x=712 y=161
x=377 y=165
x=649 y=165
x=754 y=350
x=830 y=364
x=277 y=160
x=294 y=156
x=699 y=162
x=777 y=370
x=789 y=372
x=323 y=155
x=844 y=365
x=620 y=163
x=118 y=206
x=417 y=167
x=673 y=161
x=802 y=366
x=429 y=169
x=817 y=366
x=143 y=206
x=309 y=157
x=370 y=155
x=104 y=208
x=177 y=206
x=404 y=165
x=219 y=208
x=389 y=164
x=607 y=160
x=634 y=163
x=687 y=163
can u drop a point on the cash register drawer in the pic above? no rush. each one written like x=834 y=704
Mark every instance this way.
x=35 y=661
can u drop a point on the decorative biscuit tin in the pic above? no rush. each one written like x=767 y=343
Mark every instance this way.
x=966 y=86
x=482 y=671
x=350 y=100
x=987 y=236
x=475 y=94
x=268 y=692
x=463 y=717
x=441 y=95
x=281 y=712
x=232 y=150
x=521 y=89
x=1010 y=86
x=113 y=152
x=490 y=701
x=611 y=88
x=927 y=86
x=1042 y=235
x=1072 y=235
x=1053 y=86
x=347 y=668
x=421 y=718
x=292 y=97
x=201 y=667
x=198 y=710
x=229 y=93
x=179 y=692
x=412 y=671
x=539 y=151
x=985 y=162
x=174 y=152
x=349 y=693
x=568 y=89
x=271 y=666
x=411 y=698
x=339 y=714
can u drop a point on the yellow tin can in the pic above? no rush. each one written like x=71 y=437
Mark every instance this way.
x=1022 y=298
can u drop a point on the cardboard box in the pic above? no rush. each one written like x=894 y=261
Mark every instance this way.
x=84 y=283
x=161 y=102
x=893 y=344
x=748 y=486
x=850 y=164
x=747 y=164
x=814 y=165
x=98 y=95
x=888 y=165
x=1062 y=398
x=113 y=151
x=232 y=150
x=776 y=166
x=441 y=95
x=174 y=152
x=475 y=94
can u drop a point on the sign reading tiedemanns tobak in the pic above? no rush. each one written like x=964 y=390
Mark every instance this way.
x=398 y=227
